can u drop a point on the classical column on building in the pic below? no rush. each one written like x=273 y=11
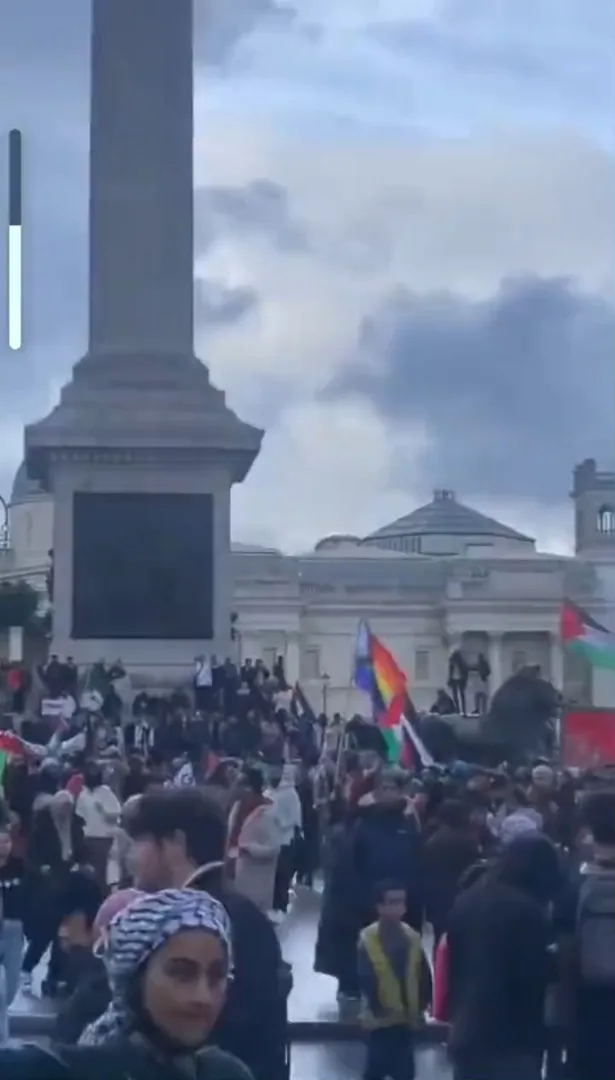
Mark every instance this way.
x=292 y=658
x=451 y=642
x=556 y=662
x=602 y=688
x=494 y=656
x=140 y=416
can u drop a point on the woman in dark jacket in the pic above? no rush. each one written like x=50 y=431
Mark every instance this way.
x=387 y=845
x=339 y=923
x=449 y=852
x=169 y=959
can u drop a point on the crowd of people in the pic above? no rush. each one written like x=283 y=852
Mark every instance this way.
x=151 y=860
x=513 y=871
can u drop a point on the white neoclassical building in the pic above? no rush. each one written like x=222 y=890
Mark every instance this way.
x=441 y=577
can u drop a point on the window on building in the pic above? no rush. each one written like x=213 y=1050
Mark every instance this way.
x=421 y=665
x=519 y=660
x=606 y=521
x=310 y=663
x=416 y=545
x=269 y=656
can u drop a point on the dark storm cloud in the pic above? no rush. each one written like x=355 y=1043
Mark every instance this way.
x=513 y=389
x=218 y=306
x=260 y=207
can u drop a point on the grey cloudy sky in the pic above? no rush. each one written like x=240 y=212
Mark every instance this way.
x=403 y=249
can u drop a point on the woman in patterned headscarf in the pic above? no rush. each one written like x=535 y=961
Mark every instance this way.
x=169 y=959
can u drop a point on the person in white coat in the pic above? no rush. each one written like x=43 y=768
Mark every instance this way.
x=99 y=809
x=253 y=840
x=287 y=808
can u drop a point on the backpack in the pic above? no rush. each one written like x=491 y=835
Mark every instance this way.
x=596 y=929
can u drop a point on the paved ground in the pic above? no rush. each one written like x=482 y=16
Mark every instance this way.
x=313 y=1001
x=344 y=1061
x=313 y=997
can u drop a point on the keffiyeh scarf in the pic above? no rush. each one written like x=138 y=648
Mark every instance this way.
x=136 y=933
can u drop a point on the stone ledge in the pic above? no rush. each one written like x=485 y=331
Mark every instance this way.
x=315 y=1031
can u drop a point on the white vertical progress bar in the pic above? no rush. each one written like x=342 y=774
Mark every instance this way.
x=15 y=279
x=15 y=267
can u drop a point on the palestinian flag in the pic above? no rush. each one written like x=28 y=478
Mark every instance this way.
x=586 y=637
x=404 y=744
x=10 y=746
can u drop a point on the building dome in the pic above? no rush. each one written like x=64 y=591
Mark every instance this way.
x=253 y=549
x=444 y=516
x=336 y=540
x=24 y=489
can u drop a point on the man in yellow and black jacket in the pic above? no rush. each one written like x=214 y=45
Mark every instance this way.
x=395 y=984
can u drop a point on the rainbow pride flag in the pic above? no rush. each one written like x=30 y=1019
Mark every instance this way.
x=378 y=674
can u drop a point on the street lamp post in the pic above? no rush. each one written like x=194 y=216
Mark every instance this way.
x=325 y=680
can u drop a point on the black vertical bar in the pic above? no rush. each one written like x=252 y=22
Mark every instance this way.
x=15 y=177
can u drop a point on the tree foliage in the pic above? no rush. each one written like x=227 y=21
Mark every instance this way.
x=18 y=604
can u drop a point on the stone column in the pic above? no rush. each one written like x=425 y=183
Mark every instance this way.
x=140 y=416
x=495 y=662
x=556 y=662
x=603 y=688
x=141 y=195
x=292 y=659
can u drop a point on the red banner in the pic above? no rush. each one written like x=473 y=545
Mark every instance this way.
x=588 y=738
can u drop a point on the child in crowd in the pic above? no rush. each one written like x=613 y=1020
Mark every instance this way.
x=395 y=984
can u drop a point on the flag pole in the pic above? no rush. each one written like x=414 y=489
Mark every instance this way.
x=342 y=742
